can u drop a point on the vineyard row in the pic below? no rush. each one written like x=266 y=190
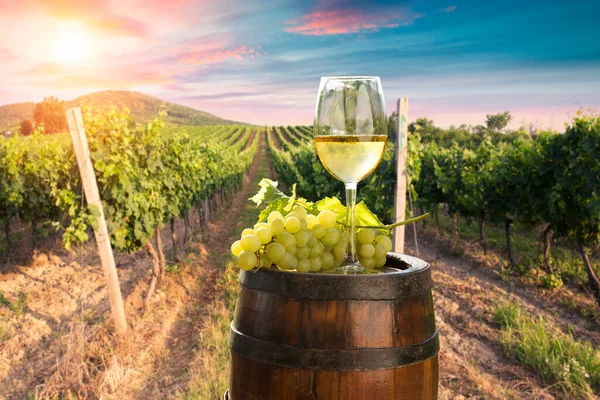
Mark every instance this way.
x=550 y=180
x=147 y=177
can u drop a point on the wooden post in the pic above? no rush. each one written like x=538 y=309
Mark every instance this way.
x=88 y=179
x=400 y=198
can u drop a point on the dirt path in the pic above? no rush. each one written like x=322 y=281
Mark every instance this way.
x=250 y=140
x=274 y=139
x=472 y=361
x=171 y=373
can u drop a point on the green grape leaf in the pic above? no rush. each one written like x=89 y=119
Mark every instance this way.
x=291 y=200
x=268 y=192
x=365 y=217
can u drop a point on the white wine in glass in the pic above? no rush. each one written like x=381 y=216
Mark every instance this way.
x=350 y=137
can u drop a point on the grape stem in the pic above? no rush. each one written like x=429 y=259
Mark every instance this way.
x=392 y=226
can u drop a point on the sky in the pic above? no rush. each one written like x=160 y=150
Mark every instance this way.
x=261 y=61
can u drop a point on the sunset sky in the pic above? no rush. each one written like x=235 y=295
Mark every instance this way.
x=260 y=61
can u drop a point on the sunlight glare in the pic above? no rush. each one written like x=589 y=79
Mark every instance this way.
x=72 y=43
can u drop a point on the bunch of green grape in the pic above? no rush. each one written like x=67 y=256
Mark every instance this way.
x=299 y=241
x=371 y=248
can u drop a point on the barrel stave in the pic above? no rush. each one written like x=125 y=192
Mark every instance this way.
x=414 y=320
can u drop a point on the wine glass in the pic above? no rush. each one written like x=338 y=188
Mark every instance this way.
x=350 y=136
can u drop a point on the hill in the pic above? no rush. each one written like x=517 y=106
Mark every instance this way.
x=143 y=109
x=11 y=115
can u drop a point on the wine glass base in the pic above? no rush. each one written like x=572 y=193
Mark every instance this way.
x=350 y=268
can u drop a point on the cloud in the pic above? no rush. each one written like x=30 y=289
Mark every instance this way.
x=96 y=13
x=448 y=9
x=338 y=22
x=81 y=81
x=45 y=69
x=213 y=56
x=7 y=55
x=150 y=78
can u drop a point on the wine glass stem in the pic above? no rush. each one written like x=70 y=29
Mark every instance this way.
x=350 y=211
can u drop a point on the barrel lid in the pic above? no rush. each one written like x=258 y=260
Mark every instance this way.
x=403 y=276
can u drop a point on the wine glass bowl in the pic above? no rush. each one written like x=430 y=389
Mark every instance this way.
x=350 y=136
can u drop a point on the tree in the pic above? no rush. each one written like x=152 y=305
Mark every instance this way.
x=421 y=124
x=497 y=122
x=51 y=113
x=26 y=127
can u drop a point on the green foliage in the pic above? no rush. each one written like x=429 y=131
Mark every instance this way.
x=51 y=114
x=145 y=177
x=275 y=200
x=551 y=281
x=573 y=366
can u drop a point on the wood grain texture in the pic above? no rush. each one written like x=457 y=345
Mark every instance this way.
x=309 y=327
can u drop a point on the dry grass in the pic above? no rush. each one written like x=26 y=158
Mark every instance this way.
x=210 y=370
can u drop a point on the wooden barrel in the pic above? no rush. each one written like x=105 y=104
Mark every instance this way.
x=325 y=336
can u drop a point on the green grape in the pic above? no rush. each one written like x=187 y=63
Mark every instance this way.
x=301 y=211
x=385 y=241
x=316 y=250
x=236 y=248
x=303 y=253
x=293 y=250
x=292 y=215
x=311 y=220
x=380 y=262
x=260 y=225
x=292 y=225
x=303 y=266
x=303 y=224
x=367 y=250
x=264 y=234
x=275 y=251
x=247 y=232
x=327 y=260
x=318 y=231
x=294 y=262
x=331 y=237
x=274 y=215
x=247 y=260
x=301 y=238
x=250 y=243
x=339 y=251
x=265 y=261
x=315 y=264
x=366 y=236
x=367 y=262
x=380 y=251
x=276 y=226
x=286 y=262
x=311 y=242
x=327 y=218
x=287 y=240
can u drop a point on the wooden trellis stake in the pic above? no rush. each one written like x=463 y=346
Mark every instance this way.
x=401 y=173
x=92 y=195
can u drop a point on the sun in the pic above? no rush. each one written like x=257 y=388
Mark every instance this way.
x=72 y=43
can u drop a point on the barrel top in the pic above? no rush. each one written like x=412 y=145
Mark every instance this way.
x=403 y=276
